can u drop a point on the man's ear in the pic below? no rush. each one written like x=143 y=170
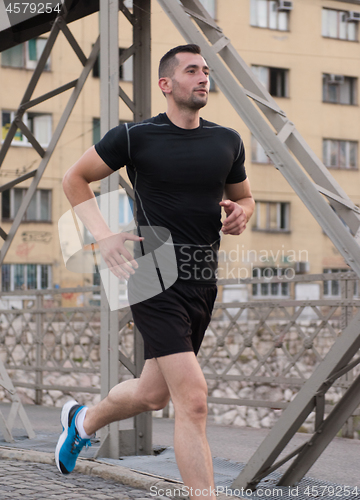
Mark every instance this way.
x=165 y=85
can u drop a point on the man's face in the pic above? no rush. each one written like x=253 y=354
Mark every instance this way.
x=190 y=81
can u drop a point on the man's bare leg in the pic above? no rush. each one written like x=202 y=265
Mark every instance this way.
x=129 y=398
x=188 y=390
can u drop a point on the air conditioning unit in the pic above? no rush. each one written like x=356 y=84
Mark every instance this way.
x=284 y=5
x=336 y=79
x=353 y=16
x=302 y=267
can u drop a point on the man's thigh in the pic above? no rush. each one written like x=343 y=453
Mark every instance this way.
x=152 y=383
x=183 y=376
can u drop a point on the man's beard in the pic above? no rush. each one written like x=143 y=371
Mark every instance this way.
x=194 y=102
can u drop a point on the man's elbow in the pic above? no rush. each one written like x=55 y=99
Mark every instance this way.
x=66 y=182
x=72 y=180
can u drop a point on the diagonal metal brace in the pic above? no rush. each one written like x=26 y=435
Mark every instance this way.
x=339 y=355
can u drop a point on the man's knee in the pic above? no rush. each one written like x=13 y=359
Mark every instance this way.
x=194 y=406
x=158 y=402
x=154 y=400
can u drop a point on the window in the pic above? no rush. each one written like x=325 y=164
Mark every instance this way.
x=265 y=14
x=39 y=124
x=275 y=80
x=258 y=154
x=25 y=277
x=270 y=290
x=125 y=70
x=333 y=288
x=272 y=216
x=340 y=154
x=25 y=55
x=339 y=89
x=336 y=24
x=39 y=208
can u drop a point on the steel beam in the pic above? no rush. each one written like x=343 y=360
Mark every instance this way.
x=109 y=118
x=338 y=357
x=323 y=435
x=139 y=440
x=142 y=101
x=40 y=24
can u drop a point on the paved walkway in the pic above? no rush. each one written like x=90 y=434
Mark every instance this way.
x=32 y=481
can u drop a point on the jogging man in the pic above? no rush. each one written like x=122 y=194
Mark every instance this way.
x=180 y=166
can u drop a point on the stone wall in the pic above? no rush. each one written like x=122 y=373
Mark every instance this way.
x=82 y=347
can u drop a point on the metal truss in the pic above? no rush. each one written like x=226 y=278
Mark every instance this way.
x=139 y=439
x=329 y=204
x=331 y=207
x=15 y=409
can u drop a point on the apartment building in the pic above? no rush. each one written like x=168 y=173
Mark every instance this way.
x=305 y=52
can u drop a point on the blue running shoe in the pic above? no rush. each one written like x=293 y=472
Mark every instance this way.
x=70 y=443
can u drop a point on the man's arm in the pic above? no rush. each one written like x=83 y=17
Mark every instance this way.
x=239 y=206
x=89 y=168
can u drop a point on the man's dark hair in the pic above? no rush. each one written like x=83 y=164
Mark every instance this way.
x=169 y=61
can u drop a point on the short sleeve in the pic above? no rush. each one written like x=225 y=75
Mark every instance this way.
x=237 y=172
x=113 y=147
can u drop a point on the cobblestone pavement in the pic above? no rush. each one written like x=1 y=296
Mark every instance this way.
x=32 y=481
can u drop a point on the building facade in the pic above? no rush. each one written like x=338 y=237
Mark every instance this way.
x=305 y=52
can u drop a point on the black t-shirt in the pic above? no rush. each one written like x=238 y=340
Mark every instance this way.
x=178 y=177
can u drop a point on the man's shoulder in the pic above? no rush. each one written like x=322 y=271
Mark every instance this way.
x=216 y=128
x=158 y=120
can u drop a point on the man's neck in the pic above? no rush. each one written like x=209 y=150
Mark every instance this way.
x=188 y=119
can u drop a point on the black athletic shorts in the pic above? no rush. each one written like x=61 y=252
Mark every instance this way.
x=175 y=320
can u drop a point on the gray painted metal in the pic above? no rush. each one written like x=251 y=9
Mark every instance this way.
x=325 y=432
x=40 y=24
x=109 y=105
x=339 y=356
x=16 y=409
x=279 y=138
x=142 y=101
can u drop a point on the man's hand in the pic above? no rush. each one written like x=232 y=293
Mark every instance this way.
x=235 y=222
x=114 y=253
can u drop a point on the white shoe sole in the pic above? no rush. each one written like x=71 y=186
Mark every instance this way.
x=64 y=419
